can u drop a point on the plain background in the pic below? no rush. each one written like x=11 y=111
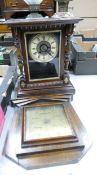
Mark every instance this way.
x=86 y=9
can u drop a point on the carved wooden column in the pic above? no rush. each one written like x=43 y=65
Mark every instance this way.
x=69 y=32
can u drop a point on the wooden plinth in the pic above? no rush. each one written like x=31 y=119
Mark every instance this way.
x=37 y=154
x=41 y=92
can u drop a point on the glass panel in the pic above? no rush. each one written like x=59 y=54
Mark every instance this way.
x=43 y=55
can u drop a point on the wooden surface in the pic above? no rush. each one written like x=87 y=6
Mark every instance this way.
x=86 y=110
x=13 y=7
x=50 y=21
x=65 y=25
x=4 y=28
x=60 y=151
x=43 y=125
x=50 y=154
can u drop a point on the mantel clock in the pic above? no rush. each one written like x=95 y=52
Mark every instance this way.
x=46 y=126
x=42 y=42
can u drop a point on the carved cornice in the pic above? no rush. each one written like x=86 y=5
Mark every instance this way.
x=35 y=24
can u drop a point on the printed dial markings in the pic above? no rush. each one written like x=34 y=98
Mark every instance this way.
x=43 y=47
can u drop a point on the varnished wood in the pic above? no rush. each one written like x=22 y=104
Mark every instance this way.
x=4 y=28
x=42 y=92
x=13 y=8
x=65 y=25
x=68 y=138
x=50 y=154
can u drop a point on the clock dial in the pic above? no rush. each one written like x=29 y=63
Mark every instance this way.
x=43 y=47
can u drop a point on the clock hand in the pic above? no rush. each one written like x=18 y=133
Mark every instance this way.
x=49 y=50
x=46 y=51
x=49 y=54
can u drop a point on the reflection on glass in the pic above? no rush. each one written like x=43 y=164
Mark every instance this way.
x=43 y=55
x=31 y=2
x=42 y=70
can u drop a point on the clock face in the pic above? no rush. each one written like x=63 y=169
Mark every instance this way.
x=43 y=47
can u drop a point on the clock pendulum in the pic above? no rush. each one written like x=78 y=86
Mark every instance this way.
x=46 y=126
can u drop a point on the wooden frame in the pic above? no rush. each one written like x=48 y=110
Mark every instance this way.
x=24 y=50
x=19 y=7
x=26 y=53
x=65 y=25
x=47 y=153
x=39 y=128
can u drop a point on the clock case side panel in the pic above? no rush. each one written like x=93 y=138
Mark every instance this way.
x=63 y=42
x=23 y=51
x=61 y=54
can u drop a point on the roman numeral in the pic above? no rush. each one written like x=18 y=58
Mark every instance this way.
x=53 y=47
x=35 y=53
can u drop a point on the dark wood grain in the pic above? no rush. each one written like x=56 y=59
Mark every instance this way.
x=58 y=153
x=44 y=91
x=45 y=86
x=17 y=7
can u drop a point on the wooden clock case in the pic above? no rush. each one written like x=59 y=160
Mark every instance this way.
x=45 y=94
x=61 y=85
